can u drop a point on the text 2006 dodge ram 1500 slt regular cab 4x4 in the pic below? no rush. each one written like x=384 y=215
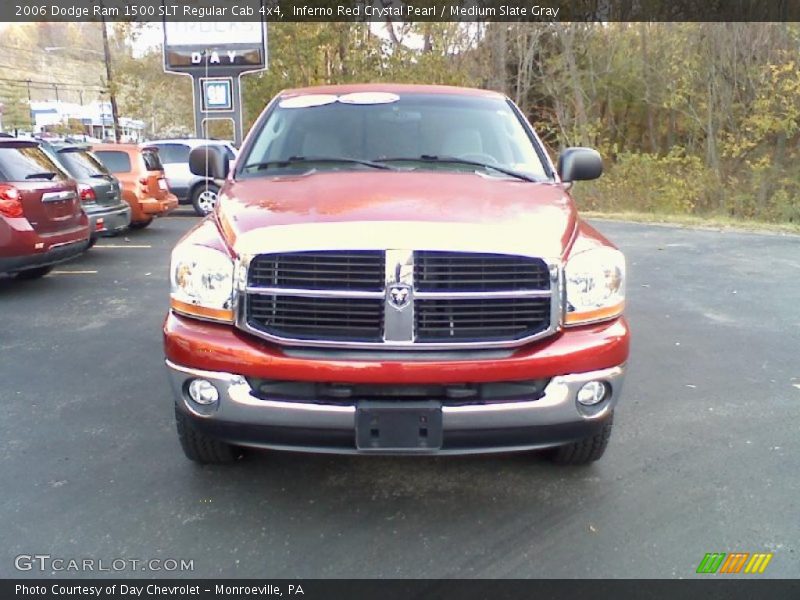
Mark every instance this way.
x=395 y=269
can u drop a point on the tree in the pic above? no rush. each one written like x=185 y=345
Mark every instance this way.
x=16 y=113
x=144 y=91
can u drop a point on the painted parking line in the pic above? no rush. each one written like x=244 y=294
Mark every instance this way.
x=136 y=246
x=73 y=272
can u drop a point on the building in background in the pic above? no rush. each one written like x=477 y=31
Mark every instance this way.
x=92 y=120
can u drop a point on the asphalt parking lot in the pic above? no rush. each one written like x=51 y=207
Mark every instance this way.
x=704 y=456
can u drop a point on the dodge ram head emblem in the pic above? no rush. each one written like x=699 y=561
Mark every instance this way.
x=399 y=295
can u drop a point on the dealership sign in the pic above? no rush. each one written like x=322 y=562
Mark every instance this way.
x=217 y=93
x=215 y=55
x=192 y=46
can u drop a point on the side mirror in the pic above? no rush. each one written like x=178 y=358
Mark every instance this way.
x=209 y=161
x=579 y=164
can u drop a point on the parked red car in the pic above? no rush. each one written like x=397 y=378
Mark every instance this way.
x=41 y=219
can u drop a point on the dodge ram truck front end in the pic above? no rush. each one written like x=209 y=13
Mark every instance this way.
x=395 y=270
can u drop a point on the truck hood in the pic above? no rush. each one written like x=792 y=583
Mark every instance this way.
x=404 y=210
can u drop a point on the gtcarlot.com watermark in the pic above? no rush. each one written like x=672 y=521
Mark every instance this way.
x=55 y=564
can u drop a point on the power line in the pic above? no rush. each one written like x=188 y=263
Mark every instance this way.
x=26 y=71
x=39 y=87
x=51 y=86
x=76 y=87
x=45 y=54
x=69 y=65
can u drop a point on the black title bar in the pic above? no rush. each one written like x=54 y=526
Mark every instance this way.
x=711 y=588
x=398 y=10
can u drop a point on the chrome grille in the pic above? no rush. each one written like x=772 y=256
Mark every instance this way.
x=343 y=319
x=354 y=270
x=480 y=319
x=399 y=299
x=458 y=272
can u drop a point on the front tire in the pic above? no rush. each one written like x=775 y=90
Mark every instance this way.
x=204 y=198
x=200 y=448
x=585 y=451
x=36 y=273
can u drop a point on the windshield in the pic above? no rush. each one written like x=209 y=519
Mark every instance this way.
x=81 y=164
x=173 y=153
x=152 y=162
x=411 y=131
x=115 y=161
x=24 y=162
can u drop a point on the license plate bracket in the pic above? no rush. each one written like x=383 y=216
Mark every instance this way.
x=386 y=426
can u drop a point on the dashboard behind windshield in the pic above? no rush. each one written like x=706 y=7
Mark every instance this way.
x=480 y=129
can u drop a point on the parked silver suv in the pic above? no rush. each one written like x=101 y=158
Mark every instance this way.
x=199 y=191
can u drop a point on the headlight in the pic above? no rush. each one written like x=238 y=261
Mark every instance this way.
x=595 y=286
x=202 y=282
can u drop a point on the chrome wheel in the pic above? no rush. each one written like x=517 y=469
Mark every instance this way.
x=205 y=199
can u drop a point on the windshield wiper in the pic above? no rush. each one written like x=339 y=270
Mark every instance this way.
x=315 y=159
x=42 y=175
x=429 y=158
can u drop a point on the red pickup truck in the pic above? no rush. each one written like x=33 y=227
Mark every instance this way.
x=395 y=269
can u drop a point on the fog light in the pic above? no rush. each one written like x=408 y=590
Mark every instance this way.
x=203 y=392
x=593 y=392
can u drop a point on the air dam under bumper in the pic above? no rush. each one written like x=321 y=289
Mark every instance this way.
x=242 y=418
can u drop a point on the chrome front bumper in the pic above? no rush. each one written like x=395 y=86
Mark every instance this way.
x=241 y=417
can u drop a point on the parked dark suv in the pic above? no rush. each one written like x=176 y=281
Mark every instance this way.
x=41 y=219
x=99 y=190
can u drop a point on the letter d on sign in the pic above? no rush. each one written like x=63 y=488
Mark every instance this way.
x=197 y=58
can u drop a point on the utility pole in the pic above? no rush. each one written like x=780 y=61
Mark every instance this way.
x=30 y=107
x=111 y=93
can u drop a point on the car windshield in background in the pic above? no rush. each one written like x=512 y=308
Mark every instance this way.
x=115 y=161
x=179 y=153
x=151 y=160
x=81 y=165
x=27 y=162
x=412 y=131
x=173 y=153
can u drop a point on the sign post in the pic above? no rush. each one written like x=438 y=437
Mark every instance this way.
x=215 y=55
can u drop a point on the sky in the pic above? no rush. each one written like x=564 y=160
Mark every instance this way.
x=150 y=36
